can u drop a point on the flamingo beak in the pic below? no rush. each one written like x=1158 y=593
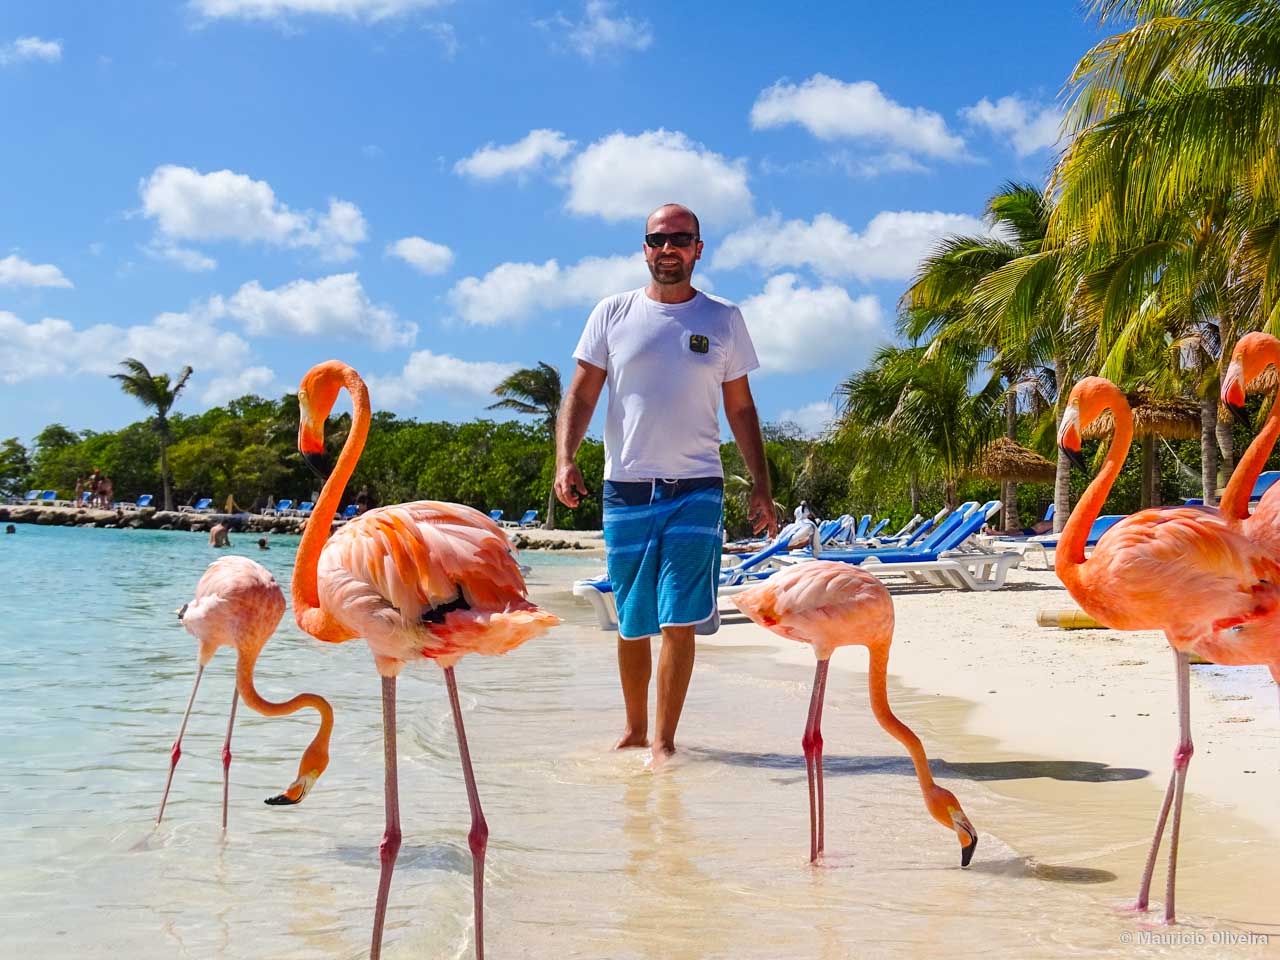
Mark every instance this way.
x=1233 y=391
x=968 y=837
x=318 y=465
x=296 y=791
x=1076 y=458
x=1069 y=438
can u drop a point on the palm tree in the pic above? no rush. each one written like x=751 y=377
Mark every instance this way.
x=157 y=392
x=911 y=412
x=535 y=391
x=939 y=302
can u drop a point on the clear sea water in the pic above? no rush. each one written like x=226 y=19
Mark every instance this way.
x=592 y=854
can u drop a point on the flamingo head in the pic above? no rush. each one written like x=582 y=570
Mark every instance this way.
x=1089 y=399
x=314 y=762
x=945 y=808
x=1252 y=355
x=316 y=396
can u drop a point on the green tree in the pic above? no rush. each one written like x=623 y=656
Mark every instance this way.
x=158 y=392
x=15 y=467
x=535 y=391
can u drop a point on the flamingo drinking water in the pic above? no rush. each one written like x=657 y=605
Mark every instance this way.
x=1182 y=570
x=238 y=603
x=419 y=581
x=829 y=604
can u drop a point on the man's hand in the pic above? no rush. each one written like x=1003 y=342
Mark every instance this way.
x=760 y=511
x=569 y=484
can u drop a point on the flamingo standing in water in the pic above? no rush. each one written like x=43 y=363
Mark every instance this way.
x=419 y=581
x=238 y=603
x=829 y=604
x=1182 y=570
x=1252 y=355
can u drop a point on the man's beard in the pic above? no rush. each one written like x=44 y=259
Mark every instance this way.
x=670 y=276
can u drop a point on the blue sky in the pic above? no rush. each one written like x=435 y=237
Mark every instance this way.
x=438 y=192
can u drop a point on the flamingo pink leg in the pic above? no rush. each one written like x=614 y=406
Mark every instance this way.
x=391 y=836
x=1173 y=794
x=812 y=744
x=226 y=757
x=176 y=752
x=478 y=839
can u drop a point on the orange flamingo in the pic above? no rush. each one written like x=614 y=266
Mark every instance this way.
x=238 y=603
x=1252 y=355
x=1227 y=589
x=829 y=604
x=419 y=581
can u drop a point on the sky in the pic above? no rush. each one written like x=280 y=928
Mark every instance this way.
x=438 y=192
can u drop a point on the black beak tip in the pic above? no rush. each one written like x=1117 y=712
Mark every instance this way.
x=966 y=852
x=280 y=800
x=1241 y=415
x=1076 y=458
x=317 y=464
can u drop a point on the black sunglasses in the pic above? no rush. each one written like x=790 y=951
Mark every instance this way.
x=660 y=240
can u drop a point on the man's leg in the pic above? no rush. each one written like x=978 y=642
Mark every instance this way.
x=675 y=667
x=635 y=664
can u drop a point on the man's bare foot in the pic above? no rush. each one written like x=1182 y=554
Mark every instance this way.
x=630 y=740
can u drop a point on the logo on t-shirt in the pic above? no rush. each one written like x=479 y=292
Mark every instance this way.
x=698 y=343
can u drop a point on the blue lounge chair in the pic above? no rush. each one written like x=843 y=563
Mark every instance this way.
x=31 y=497
x=350 y=512
x=305 y=508
x=598 y=591
x=203 y=505
x=142 y=501
x=530 y=519
x=942 y=538
x=1045 y=542
x=281 y=509
x=884 y=522
x=495 y=516
x=863 y=525
x=835 y=530
x=49 y=498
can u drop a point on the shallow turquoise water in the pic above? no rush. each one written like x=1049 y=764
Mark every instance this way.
x=591 y=855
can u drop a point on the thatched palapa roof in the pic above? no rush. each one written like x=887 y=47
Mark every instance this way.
x=1003 y=459
x=1175 y=418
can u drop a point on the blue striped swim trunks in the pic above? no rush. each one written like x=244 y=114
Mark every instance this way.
x=662 y=543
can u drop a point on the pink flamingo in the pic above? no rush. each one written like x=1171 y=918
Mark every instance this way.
x=419 y=581
x=829 y=604
x=1181 y=570
x=1252 y=355
x=238 y=603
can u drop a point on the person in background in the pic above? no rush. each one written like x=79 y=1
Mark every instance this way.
x=364 y=501
x=11 y=529
x=262 y=544
x=218 y=535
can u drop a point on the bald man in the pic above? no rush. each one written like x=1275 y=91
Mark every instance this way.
x=669 y=354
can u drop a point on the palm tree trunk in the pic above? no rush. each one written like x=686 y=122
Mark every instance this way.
x=1209 y=450
x=1009 y=489
x=1149 y=461
x=1226 y=445
x=551 y=510
x=913 y=485
x=1062 y=479
x=164 y=474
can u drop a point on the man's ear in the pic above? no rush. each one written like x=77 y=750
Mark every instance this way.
x=698 y=254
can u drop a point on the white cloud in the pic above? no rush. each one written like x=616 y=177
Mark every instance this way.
x=367 y=10
x=335 y=306
x=439 y=373
x=257 y=380
x=30 y=48
x=890 y=248
x=536 y=150
x=813 y=418
x=423 y=255
x=185 y=257
x=53 y=347
x=623 y=177
x=797 y=328
x=831 y=109
x=599 y=33
x=512 y=291
x=16 y=272
x=189 y=205
x=1028 y=126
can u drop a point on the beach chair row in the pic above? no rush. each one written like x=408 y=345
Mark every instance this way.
x=530 y=519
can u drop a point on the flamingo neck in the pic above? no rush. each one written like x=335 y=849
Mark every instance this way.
x=1235 y=500
x=305 y=587
x=1075 y=535
x=878 y=686
x=245 y=662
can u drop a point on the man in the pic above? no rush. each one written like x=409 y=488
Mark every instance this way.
x=218 y=535
x=669 y=354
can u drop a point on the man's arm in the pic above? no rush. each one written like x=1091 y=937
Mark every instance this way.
x=571 y=426
x=740 y=410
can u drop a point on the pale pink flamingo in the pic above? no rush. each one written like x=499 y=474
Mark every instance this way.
x=1181 y=570
x=419 y=581
x=238 y=603
x=829 y=604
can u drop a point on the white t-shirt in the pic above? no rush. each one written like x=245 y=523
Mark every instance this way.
x=665 y=364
